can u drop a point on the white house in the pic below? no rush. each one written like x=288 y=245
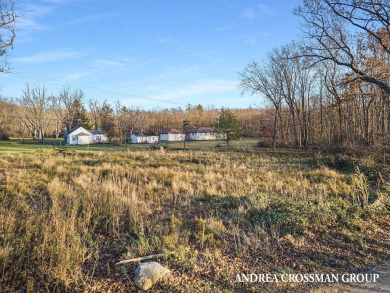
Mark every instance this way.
x=139 y=138
x=201 y=133
x=152 y=138
x=80 y=135
x=172 y=135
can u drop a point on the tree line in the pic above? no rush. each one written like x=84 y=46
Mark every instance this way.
x=38 y=114
x=332 y=86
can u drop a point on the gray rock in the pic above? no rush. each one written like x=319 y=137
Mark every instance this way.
x=149 y=273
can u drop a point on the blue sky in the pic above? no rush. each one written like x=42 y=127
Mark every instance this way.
x=146 y=53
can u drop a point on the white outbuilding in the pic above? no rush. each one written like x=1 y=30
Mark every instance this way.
x=140 y=138
x=152 y=138
x=80 y=135
x=201 y=133
x=172 y=135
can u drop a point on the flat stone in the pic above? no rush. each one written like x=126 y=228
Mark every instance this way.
x=149 y=273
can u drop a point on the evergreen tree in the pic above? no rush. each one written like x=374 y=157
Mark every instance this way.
x=80 y=115
x=228 y=126
x=107 y=120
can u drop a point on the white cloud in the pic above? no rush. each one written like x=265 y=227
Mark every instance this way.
x=166 y=41
x=249 y=14
x=24 y=24
x=100 y=66
x=251 y=40
x=256 y=12
x=37 y=10
x=224 y=28
x=105 y=63
x=170 y=42
x=29 y=15
x=88 y=18
x=118 y=63
x=56 y=1
x=264 y=9
x=52 y=56
x=200 y=87
x=171 y=73
x=205 y=55
x=257 y=38
x=63 y=2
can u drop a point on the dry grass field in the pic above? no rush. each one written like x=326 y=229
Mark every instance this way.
x=66 y=217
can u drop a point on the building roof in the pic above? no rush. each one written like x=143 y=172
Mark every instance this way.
x=143 y=135
x=71 y=130
x=200 y=130
x=172 y=131
x=97 y=131
x=91 y=131
x=83 y=134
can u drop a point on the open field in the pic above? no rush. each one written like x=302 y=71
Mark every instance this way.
x=29 y=145
x=67 y=217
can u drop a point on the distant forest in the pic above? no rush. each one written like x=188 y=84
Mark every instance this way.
x=356 y=119
x=329 y=88
x=37 y=114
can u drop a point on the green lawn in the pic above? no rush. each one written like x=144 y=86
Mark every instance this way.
x=30 y=145
x=212 y=144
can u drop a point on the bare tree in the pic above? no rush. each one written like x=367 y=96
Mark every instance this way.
x=284 y=79
x=333 y=90
x=107 y=120
x=95 y=109
x=7 y=30
x=6 y=115
x=264 y=80
x=35 y=103
x=127 y=120
x=284 y=61
x=68 y=106
x=341 y=30
x=55 y=126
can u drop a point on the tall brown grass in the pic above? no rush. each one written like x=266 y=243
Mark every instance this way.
x=55 y=206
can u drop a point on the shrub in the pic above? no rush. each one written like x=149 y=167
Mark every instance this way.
x=286 y=217
x=4 y=136
x=263 y=144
